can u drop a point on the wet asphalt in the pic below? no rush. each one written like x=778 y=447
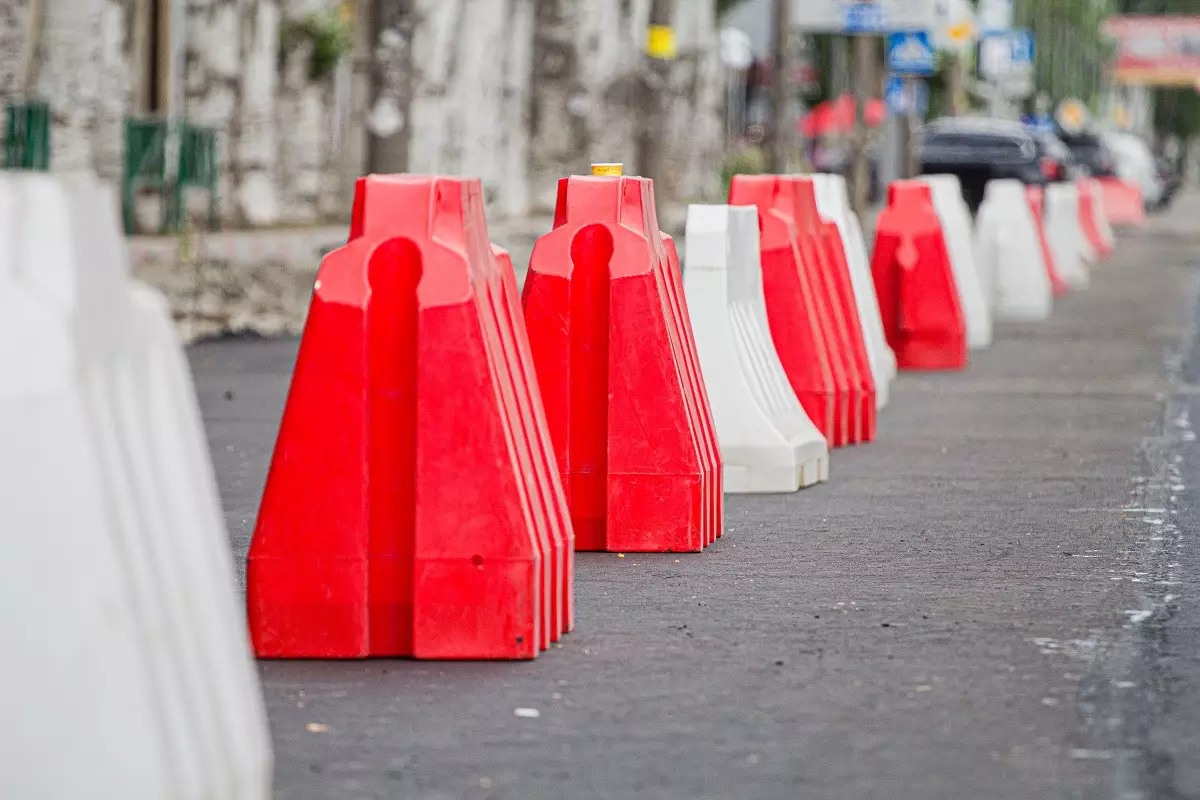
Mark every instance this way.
x=996 y=599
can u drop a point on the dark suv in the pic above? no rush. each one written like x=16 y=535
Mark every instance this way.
x=979 y=150
x=1092 y=152
x=1058 y=163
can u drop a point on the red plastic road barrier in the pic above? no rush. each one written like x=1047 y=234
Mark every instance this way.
x=547 y=467
x=915 y=282
x=1037 y=205
x=801 y=208
x=675 y=291
x=825 y=257
x=1122 y=201
x=614 y=355
x=411 y=508
x=794 y=311
x=1088 y=190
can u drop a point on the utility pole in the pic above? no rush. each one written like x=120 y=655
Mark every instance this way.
x=864 y=80
x=956 y=83
x=779 y=136
x=911 y=123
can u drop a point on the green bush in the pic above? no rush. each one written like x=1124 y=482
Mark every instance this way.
x=331 y=35
x=747 y=161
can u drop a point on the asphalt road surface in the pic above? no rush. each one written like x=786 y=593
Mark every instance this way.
x=997 y=599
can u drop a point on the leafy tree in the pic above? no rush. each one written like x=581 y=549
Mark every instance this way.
x=725 y=5
x=1072 y=52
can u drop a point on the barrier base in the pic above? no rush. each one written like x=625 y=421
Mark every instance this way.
x=748 y=471
x=653 y=514
x=932 y=353
x=1022 y=315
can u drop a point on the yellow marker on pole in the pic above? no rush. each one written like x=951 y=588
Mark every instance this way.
x=1072 y=116
x=660 y=42
x=962 y=34
x=610 y=170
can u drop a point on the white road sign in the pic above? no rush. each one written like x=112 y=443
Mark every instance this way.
x=995 y=15
x=957 y=29
x=894 y=15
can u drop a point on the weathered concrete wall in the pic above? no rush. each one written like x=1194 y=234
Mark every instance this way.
x=276 y=127
x=590 y=100
x=276 y=124
x=80 y=66
x=13 y=22
x=522 y=92
x=516 y=92
x=470 y=85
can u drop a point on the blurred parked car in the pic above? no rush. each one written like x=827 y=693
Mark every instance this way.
x=1091 y=151
x=980 y=149
x=1168 y=173
x=1059 y=164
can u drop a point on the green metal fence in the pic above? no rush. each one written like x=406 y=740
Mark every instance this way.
x=197 y=169
x=27 y=136
x=147 y=161
x=145 y=166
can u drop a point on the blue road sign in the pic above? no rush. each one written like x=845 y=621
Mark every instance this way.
x=905 y=96
x=1039 y=122
x=911 y=53
x=1005 y=54
x=1023 y=48
x=863 y=18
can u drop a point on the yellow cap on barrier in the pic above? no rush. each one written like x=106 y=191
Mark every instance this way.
x=608 y=169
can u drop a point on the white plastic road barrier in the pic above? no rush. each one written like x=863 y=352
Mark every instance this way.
x=959 y=231
x=833 y=203
x=72 y=645
x=1008 y=253
x=1099 y=213
x=1067 y=240
x=1091 y=256
x=767 y=442
x=161 y=523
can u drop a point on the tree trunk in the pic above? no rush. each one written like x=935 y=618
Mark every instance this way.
x=779 y=134
x=389 y=122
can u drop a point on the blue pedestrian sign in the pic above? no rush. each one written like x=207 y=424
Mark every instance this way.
x=1039 y=122
x=863 y=18
x=911 y=53
x=1005 y=54
x=1023 y=49
x=906 y=96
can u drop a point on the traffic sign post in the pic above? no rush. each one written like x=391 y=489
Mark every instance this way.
x=995 y=16
x=907 y=101
x=1006 y=61
x=864 y=19
x=1005 y=54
